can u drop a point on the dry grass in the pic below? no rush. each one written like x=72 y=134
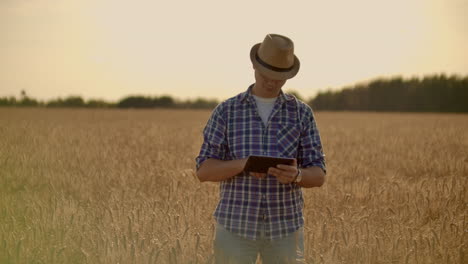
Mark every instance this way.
x=110 y=186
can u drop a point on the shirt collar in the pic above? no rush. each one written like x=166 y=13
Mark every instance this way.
x=247 y=96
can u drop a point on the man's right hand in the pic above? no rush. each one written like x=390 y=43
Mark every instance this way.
x=258 y=175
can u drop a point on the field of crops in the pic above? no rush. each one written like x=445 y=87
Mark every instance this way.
x=115 y=186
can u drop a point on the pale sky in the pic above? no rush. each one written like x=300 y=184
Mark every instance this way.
x=108 y=49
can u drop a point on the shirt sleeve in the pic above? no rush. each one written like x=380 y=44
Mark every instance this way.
x=214 y=138
x=310 y=145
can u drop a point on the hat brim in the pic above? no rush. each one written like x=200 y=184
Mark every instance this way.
x=276 y=75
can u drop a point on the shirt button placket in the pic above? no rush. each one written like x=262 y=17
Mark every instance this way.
x=262 y=205
x=264 y=196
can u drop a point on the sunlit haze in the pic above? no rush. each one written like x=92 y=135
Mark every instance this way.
x=109 y=49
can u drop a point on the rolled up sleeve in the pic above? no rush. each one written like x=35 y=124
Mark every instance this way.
x=310 y=146
x=214 y=139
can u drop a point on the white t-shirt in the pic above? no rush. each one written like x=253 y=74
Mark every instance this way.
x=264 y=107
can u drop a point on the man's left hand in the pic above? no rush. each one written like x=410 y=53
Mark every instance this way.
x=284 y=173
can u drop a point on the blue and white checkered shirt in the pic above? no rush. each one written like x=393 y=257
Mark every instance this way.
x=235 y=131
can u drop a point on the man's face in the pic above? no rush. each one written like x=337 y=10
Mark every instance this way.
x=266 y=87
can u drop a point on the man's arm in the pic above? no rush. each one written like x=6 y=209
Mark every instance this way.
x=215 y=170
x=312 y=177
x=310 y=151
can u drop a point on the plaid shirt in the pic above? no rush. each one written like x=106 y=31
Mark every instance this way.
x=235 y=131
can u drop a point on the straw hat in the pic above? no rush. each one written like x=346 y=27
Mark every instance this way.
x=275 y=58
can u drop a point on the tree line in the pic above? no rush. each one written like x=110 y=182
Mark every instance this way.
x=436 y=93
x=127 y=102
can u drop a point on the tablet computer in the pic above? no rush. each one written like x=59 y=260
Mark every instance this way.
x=262 y=163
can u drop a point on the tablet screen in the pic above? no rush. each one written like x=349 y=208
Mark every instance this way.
x=262 y=163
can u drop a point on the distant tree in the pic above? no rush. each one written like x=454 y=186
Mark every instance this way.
x=199 y=103
x=295 y=93
x=324 y=101
x=94 y=103
x=8 y=101
x=71 y=101
x=55 y=103
x=26 y=101
x=136 y=102
x=164 y=101
x=74 y=101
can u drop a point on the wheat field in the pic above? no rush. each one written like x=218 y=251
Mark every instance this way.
x=118 y=186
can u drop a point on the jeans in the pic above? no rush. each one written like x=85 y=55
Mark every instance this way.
x=231 y=248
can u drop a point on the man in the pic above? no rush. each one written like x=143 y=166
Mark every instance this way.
x=261 y=213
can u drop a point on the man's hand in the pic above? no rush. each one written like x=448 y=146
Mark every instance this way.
x=258 y=175
x=285 y=173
